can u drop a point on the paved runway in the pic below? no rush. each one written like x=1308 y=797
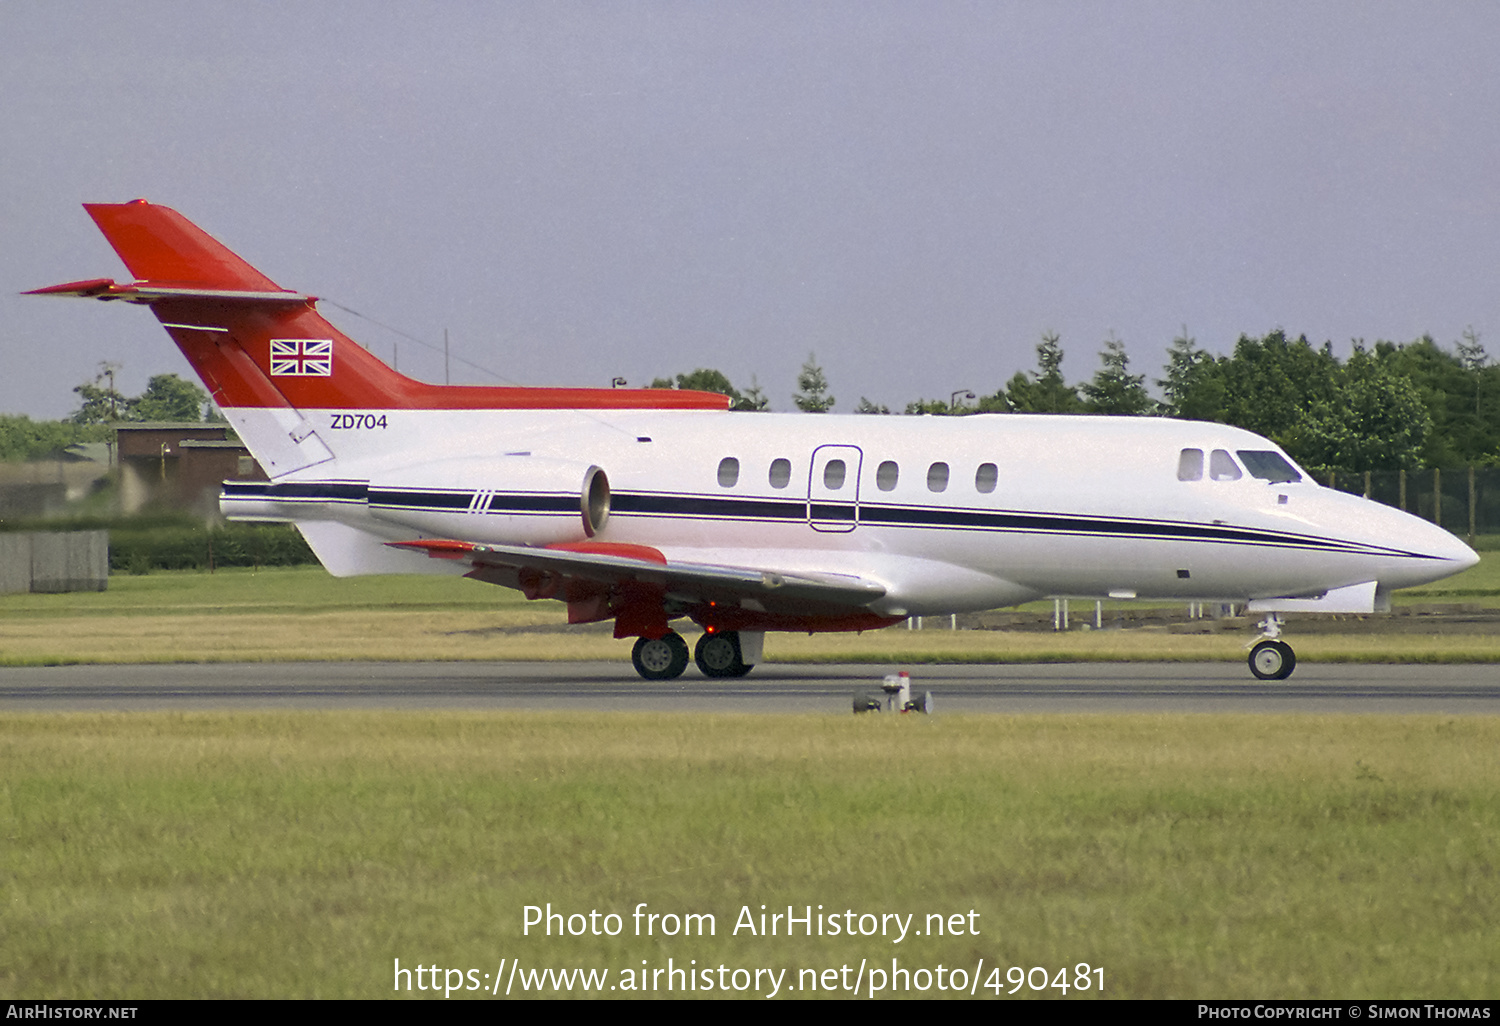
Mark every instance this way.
x=1063 y=687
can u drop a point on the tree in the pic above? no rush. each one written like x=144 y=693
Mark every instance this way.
x=1457 y=391
x=865 y=406
x=754 y=400
x=812 y=388
x=1470 y=352
x=1047 y=392
x=168 y=397
x=1472 y=355
x=1375 y=421
x=954 y=405
x=1393 y=406
x=1270 y=383
x=702 y=379
x=1114 y=390
x=99 y=405
x=1194 y=385
x=705 y=379
x=102 y=403
x=22 y=438
x=996 y=403
x=708 y=380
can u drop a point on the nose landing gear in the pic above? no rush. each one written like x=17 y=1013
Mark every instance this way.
x=1270 y=657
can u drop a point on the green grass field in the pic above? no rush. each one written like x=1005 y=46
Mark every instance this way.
x=301 y=613
x=1480 y=582
x=300 y=854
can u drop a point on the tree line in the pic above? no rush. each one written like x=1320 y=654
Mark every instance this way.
x=101 y=405
x=1387 y=407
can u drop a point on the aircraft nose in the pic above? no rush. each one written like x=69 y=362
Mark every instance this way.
x=1464 y=557
x=1446 y=553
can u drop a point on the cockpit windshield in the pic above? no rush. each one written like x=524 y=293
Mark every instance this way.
x=1268 y=466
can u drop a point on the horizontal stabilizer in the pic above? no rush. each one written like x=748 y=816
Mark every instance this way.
x=149 y=292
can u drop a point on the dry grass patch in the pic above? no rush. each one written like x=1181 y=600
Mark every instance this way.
x=304 y=614
x=406 y=635
x=259 y=637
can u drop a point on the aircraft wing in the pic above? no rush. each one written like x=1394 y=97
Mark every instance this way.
x=588 y=567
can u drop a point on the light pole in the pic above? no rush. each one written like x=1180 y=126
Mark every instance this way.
x=953 y=402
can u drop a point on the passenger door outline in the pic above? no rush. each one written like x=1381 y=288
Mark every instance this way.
x=831 y=509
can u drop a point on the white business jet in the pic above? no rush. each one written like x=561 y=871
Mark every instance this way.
x=648 y=506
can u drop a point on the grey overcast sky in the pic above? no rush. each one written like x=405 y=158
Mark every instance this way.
x=915 y=191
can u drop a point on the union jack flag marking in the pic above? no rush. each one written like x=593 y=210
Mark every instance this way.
x=302 y=357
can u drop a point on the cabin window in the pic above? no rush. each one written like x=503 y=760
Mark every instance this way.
x=1190 y=465
x=781 y=473
x=986 y=477
x=1221 y=467
x=937 y=477
x=886 y=476
x=1268 y=466
x=833 y=475
x=729 y=472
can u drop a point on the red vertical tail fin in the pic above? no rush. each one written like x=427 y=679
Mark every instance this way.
x=160 y=245
x=257 y=345
x=253 y=343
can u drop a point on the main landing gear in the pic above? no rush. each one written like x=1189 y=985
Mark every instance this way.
x=1270 y=657
x=663 y=658
x=718 y=655
x=660 y=658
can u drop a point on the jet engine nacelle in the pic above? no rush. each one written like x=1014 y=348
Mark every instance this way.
x=507 y=500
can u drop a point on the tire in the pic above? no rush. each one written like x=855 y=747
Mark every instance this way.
x=1272 y=660
x=718 y=655
x=1290 y=658
x=660 y=658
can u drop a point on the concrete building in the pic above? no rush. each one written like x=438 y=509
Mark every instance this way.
x=179 y=466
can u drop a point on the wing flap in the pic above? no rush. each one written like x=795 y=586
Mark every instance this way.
x=606 y=564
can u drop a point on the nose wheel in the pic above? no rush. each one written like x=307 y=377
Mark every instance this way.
x=1270 y=657
x=1272 y=660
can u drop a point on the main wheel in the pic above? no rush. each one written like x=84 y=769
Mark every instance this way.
x=718 y=655
x=660 y=658
x=1272 y=660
